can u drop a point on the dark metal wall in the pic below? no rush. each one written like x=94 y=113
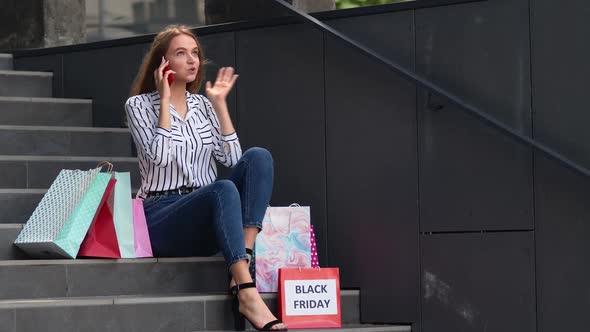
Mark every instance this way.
x=372 y=167
x=560 y=54
x=441 y=221
x=481 y=55
x=474 y=180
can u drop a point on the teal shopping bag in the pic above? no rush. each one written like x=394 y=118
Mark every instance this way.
x=123 y=215
x=60 y=222
x=74 y=231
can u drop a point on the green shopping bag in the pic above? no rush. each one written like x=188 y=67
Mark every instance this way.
x=60 y=222
x=123 y=215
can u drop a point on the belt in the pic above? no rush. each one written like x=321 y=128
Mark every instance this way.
x=178 y=191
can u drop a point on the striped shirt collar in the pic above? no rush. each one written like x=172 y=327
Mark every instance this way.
x=190 y=104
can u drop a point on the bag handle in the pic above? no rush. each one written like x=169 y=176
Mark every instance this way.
x=274 y=227
x=290 y=213
x=106 y=163
x=317 y=268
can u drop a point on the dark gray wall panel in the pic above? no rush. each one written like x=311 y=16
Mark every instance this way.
x=372 y=180
x=473 y=177
x=479 y=51
x=562 y=223
x=48 y=63
x=281 y=108
x=478 y=282
x=389 y=34
x=560 y=54
x=104 y=75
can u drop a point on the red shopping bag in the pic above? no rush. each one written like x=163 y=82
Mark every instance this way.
x=310 y=297
x=101 y=239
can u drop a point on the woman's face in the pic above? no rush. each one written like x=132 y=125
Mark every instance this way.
x=184 y=58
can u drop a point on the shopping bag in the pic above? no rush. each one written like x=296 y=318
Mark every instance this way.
x=310 y=298
x=123 y=215
x=60 y=222
x=143 y=247
x=101 y=239
x=283 y=242
x=315 y=262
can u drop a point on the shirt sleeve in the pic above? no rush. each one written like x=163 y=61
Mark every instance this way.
x=153 y=141
x=227 y=149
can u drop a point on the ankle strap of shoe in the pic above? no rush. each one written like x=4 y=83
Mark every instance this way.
x=239 y=287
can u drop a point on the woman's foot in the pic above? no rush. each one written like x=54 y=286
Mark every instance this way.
x=253 y=307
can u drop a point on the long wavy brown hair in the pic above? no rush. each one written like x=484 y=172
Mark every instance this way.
x=144 y=81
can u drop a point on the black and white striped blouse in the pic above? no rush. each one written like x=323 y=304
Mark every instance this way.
x=184 y=155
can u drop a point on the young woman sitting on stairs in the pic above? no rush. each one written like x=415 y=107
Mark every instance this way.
x=179 y=135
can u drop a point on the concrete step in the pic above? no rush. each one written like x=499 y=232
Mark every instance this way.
x=45 y=111
x=38 y=172
x=21 y=279
x=6 y=62
x=8 y=233
x=188 y=312
x=25 y=83
x=64 y=141
x=17 y=205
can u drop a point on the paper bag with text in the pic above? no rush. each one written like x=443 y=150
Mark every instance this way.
x=310 y=297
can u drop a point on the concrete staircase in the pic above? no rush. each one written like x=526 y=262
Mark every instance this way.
x=39 y=136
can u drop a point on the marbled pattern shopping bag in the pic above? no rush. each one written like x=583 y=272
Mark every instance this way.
x=283 y=242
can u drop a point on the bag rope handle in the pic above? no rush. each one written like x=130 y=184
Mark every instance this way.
x=105 y=163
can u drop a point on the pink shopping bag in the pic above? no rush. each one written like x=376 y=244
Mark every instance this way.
x=143 y=245
x=314 y=250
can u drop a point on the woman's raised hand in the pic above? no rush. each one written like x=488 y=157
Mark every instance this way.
x=222 y=86
x=161 y=79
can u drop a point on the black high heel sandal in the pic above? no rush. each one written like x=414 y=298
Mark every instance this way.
x=240 y=319
x=249 y=252
x=251 y=261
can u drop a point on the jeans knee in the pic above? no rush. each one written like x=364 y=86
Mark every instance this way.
x=259 y=156
x=226 y=188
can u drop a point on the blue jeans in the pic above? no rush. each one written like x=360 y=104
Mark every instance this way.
x=213 y=217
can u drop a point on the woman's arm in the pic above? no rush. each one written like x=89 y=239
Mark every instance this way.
x=222 y=112
x=227 y=148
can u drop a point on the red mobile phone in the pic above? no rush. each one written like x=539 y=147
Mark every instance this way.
x=171 y=76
